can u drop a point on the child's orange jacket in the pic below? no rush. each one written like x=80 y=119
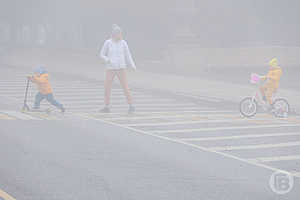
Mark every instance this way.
x=43 y=84
x=273 y=77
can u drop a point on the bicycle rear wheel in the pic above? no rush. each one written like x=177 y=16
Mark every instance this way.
x=248 y=107
x=281 y=107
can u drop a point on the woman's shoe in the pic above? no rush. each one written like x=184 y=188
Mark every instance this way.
x=131 y=110
x=105 y=110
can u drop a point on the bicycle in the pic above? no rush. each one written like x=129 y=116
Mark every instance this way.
x=249 y=105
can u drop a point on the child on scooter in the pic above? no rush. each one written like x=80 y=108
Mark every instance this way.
x=40 y=78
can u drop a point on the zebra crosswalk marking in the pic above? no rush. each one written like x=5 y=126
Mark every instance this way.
x=152 y=117
x=225 y=128
x=239 y=137
x=260 y=146
x=72 y=93
x=275 y=158
x=201 y=121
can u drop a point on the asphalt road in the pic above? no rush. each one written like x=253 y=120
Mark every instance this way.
x=173 y=147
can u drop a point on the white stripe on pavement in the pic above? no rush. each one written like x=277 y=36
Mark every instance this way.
x=157 y=117
x=58 y=86
x=156 y=112
x=59 y=95
x=295 y=173
x=201 y=122
x=20 y=87
x=200 y=97
x=99 y=99
x=239 y=136
x=142 y=109
x=83 y=97
x=275 y=158
x=225 y=128
x=259 y=146
x=123 y=105
x=76 y=92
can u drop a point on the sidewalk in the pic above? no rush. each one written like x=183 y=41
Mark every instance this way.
x=91 y=67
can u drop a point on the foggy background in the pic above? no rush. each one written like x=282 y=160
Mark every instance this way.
x=81 y=24
x=169 y=35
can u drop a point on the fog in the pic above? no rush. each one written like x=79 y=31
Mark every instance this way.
x=82 y=24
x=78 y=77
x=164 y=36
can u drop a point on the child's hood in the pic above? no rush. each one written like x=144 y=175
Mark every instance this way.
x=276 y=68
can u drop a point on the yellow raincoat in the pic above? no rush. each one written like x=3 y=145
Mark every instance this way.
x=273 y=77
x=272 y=80
x=43 y=84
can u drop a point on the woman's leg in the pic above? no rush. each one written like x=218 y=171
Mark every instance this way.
x=109 y=77
x=123 y=80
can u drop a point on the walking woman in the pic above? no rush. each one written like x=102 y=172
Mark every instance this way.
x=117 y=57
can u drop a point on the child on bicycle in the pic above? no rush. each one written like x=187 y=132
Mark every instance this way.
x=40 y=78
x=272 y=81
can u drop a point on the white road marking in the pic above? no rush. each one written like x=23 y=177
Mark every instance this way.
x=163 y=116
x=143 y=109
x=295 y=174
x=173 y=112
x=138 y=114
x=225 y=128
x=78 y=96
x=75 y=92
x=193 y=145
x=259 y=146
x=200 y=97
x=239 y=137
x=63 y=85
x=63 y=89
x=99 y=101
x=18 y=87
x=93 y=92
x=277 y=158
x=201 y=122
x=142 y=106
x=83 y=97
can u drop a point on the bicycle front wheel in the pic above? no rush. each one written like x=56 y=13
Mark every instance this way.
x=248 y=107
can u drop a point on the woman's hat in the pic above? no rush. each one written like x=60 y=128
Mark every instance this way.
x=116 y=29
